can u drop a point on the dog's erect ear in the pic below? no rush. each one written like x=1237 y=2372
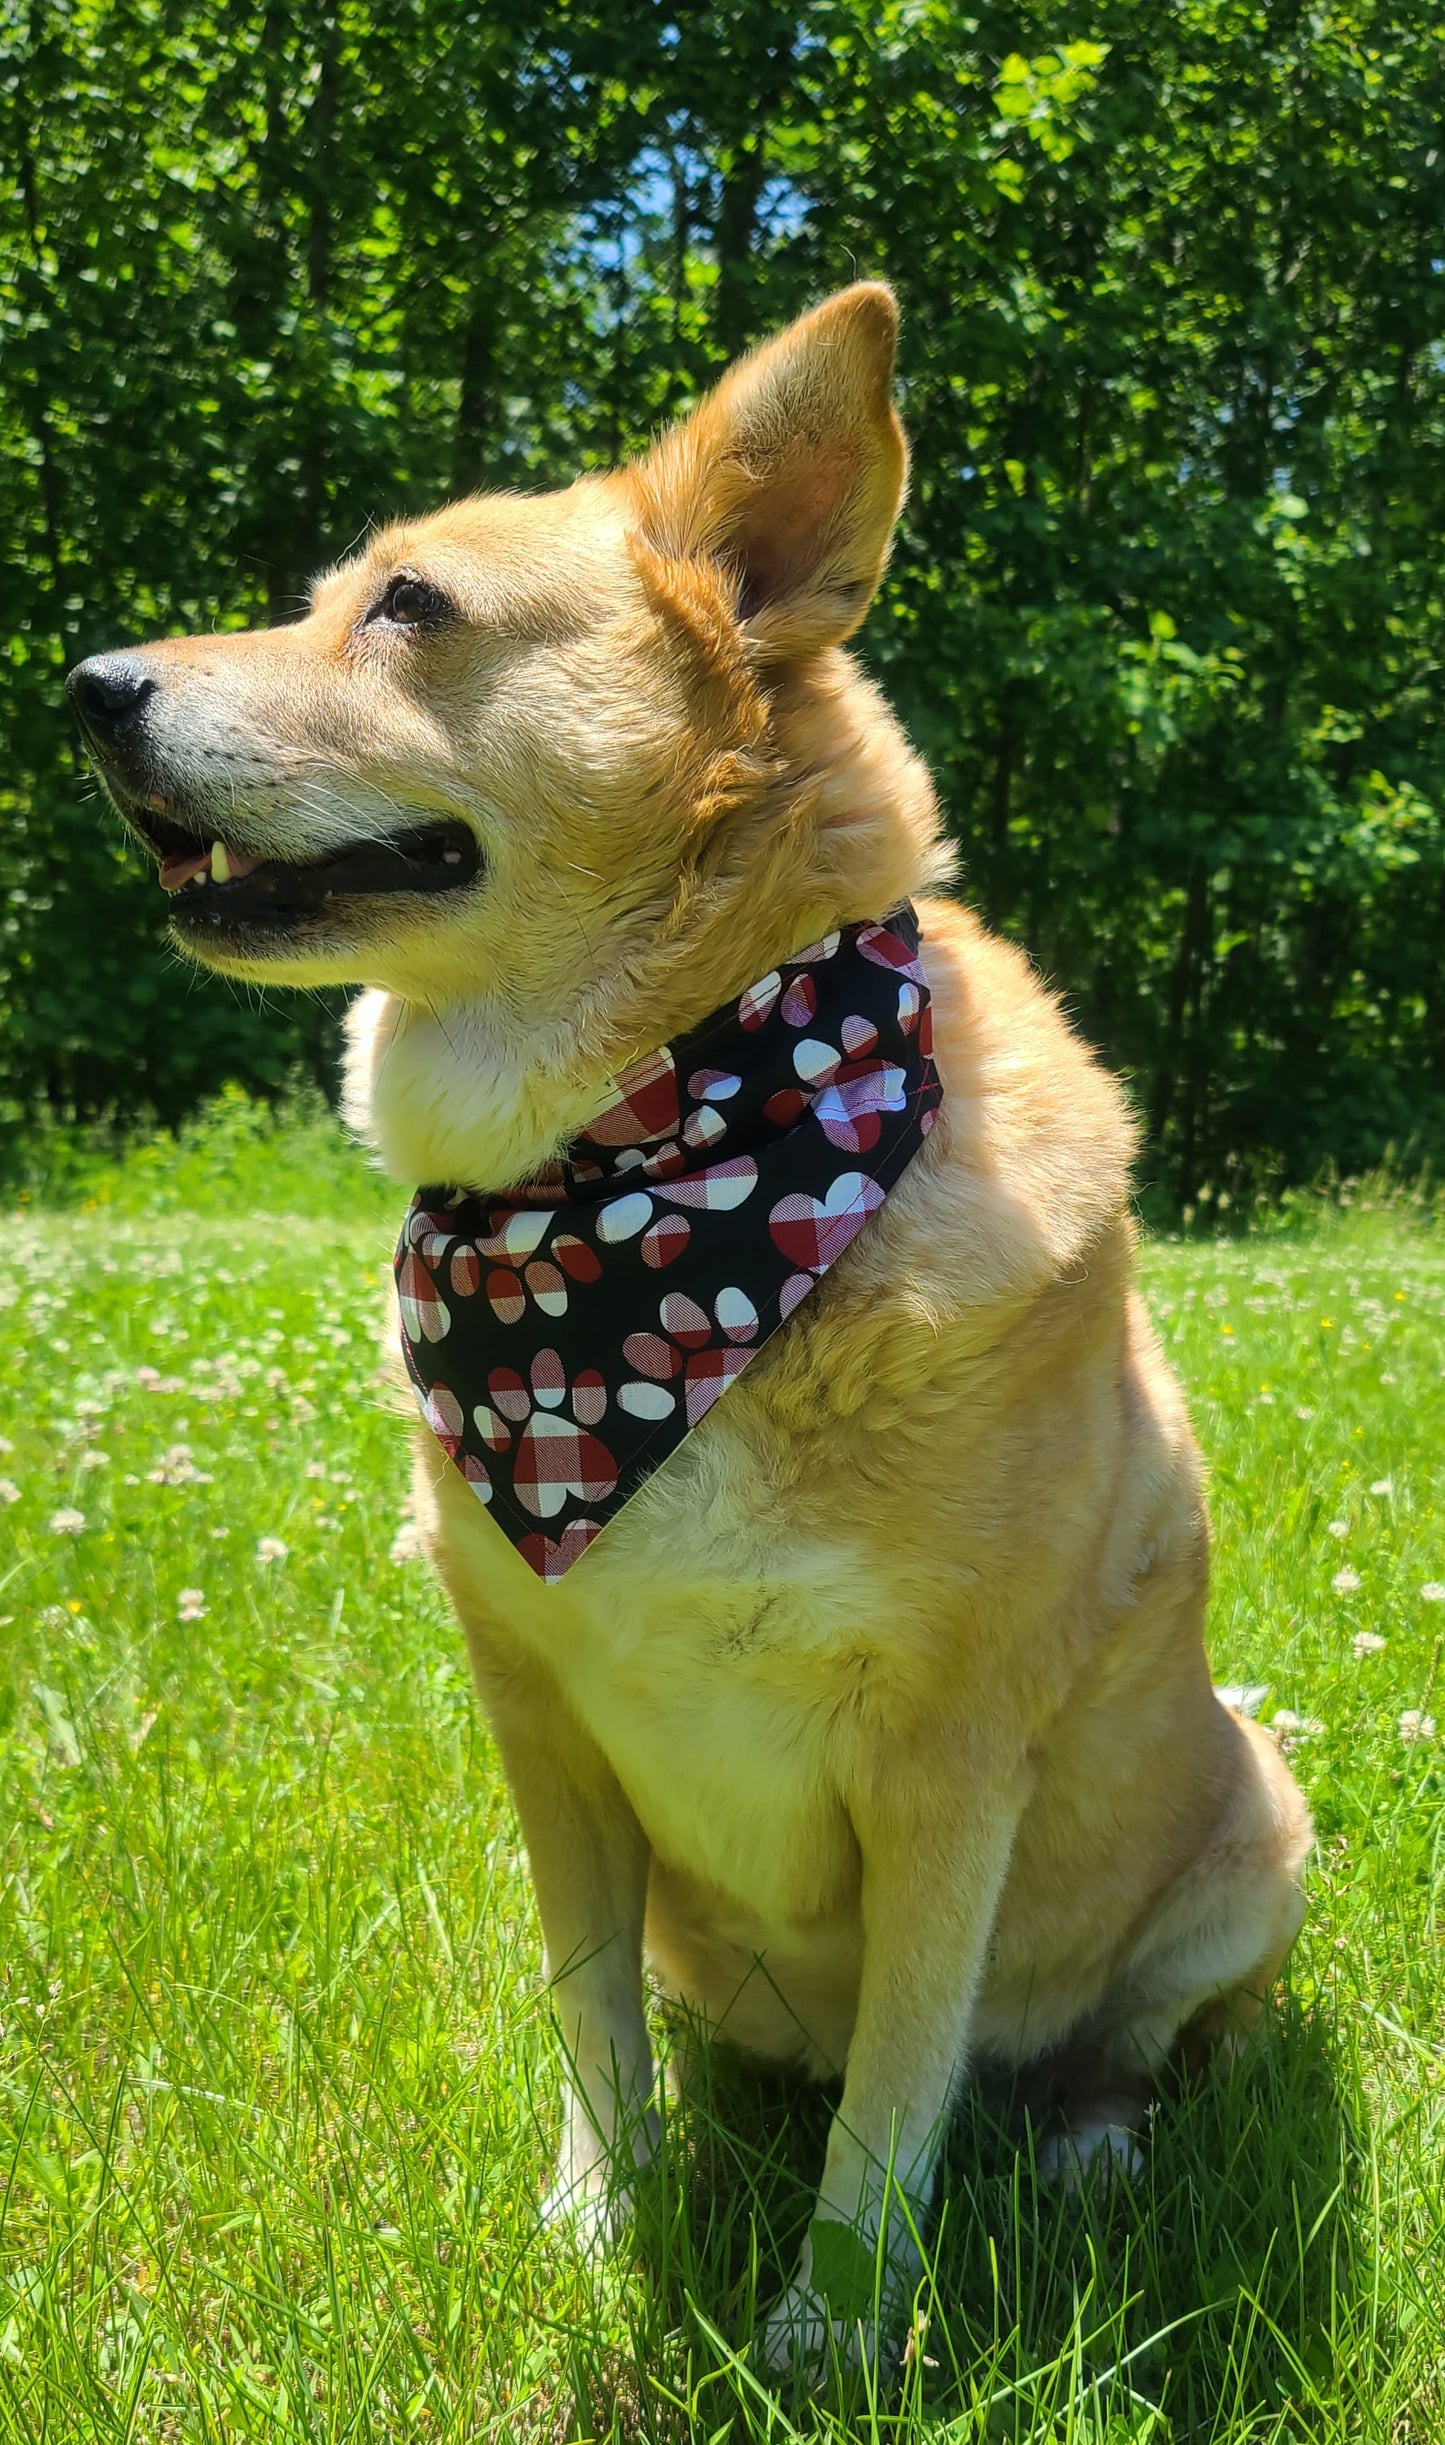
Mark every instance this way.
x=791 y=474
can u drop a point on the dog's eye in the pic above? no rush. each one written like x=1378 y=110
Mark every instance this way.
x=408 y=601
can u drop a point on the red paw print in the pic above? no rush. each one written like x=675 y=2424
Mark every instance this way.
x=521 y=1268
x=683 y=1365
x=554 y=1456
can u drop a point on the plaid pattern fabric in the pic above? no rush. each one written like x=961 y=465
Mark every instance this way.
x=564 y=1336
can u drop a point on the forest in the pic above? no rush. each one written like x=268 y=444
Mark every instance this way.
x=1166 y=613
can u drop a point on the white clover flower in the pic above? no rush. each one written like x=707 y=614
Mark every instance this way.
x=95 y=1460
x=271 y=1549
x=1433 y=1592
x=1365 y=1642
x=1242 y=1697
x=66 y=1523
x=1339 y=1528
x=190 y=1604
x=1415 y=1726
x=1383 y=1485
x=406 y=1545
x=9 y=1491
x=1345 y=1583
x=1293 y=1728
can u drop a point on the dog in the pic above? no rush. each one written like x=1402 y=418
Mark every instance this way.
x=879 y=1719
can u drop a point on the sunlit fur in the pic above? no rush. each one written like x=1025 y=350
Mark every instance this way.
x=886 y=1700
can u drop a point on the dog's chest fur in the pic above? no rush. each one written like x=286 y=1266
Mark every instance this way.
x=706 y=1646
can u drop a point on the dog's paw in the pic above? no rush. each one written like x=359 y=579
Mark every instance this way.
x=841 y=2310
x=592 y=2210
x=1089 y=2150
x=802 y=2341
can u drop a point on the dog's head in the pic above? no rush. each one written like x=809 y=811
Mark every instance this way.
x=510 y=741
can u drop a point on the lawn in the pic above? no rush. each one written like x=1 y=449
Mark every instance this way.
x=277 y=2075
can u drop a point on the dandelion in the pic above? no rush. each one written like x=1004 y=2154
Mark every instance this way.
x=1365 y=1642
x=66 y=1523
x=1433 y=1592
x=1339 y=1528
x=190 y=1604
x=9 y=1491
x=271 y=1549
x=1415 y=1726
x=1345 y=1583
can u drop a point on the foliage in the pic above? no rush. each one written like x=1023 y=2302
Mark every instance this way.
x=277 y=2079
x=234 y=1152
x=1166 y=614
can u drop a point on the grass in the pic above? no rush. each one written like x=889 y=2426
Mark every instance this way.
x=277 y=2076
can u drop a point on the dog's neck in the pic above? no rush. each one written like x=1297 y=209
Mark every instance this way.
x=466 y=1093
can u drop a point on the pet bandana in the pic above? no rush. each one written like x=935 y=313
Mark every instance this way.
x=564 y=1336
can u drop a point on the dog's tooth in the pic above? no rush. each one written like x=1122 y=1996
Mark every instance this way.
x=220 y=863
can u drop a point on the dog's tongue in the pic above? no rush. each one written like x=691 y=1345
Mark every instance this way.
x=176 y=872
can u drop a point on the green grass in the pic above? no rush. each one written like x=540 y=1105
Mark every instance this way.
x=277 y=2075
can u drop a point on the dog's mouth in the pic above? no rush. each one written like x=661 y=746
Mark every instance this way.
x=211 y=883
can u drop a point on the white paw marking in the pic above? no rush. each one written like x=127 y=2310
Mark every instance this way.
x=799 y=2340
x=588 y=2210
x=1066 y=2158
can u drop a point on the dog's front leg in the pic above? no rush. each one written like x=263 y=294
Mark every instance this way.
x=589 y=1862
x=935 y=1838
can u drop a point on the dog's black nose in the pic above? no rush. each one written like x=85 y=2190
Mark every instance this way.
x=108 y=693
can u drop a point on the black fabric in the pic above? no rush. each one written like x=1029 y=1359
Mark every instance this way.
x=563 y=1337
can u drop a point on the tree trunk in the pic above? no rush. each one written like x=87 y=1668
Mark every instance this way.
x=734 y=237
x=1193 y=929
x=309 y=536
x=475 y=401
x=321 y=129
x=51 y=511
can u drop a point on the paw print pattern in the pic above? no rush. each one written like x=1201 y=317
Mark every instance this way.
x=888 y=946
x=443 y=1414
x=553 y=1456
x=520 y=1265
x=799 y=997
x=426 y=1241
x=718 y=1188
x=693 y=1359
x=554 y=1367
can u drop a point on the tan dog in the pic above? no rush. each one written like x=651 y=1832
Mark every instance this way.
x=880 y=1717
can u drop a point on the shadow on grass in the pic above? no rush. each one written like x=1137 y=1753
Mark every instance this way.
x=1227 y=2292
